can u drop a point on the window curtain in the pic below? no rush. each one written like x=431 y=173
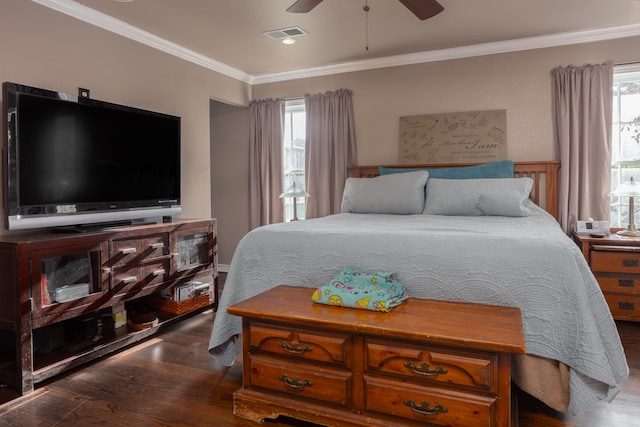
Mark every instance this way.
x=330 y=149
x=582 y=99
x=265 y=162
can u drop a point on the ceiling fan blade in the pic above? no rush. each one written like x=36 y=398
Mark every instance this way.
x=423 y=9
x=303 y=6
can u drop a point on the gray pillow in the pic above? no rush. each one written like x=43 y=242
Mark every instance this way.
x=475 y=197
x=401 y=193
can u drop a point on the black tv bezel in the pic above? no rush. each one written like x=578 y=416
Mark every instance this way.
x=81 y=215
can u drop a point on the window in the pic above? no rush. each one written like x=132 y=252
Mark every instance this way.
x=625 y=149
x=293 y=154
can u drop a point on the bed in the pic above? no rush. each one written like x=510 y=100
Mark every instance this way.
x=479 y=237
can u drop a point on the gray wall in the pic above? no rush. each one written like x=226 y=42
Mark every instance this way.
x=47 y=49
x=229 y=175
x=518 y=82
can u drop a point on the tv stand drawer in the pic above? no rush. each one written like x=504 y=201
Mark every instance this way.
x=138 y=251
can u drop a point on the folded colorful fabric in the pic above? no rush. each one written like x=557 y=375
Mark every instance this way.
x=378 y=291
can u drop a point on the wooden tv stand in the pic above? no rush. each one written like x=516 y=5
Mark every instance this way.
x=100 y=270
x=435 y=362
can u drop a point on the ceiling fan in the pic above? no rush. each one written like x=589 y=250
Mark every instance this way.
x=423 y=9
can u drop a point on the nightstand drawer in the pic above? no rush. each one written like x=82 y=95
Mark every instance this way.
x=301 y=343
x=624 y=307
x=432 y=364
x=428 y=405
x=627 y=285
x=615 y=262
x=301 y=380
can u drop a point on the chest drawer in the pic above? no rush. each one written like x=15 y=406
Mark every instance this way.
x=302 y=343
x=301 y=380
x=136 y=251
x=432 y=364
x=628 y=285
x=428 y=405
x=615 y=261
x=624 y=307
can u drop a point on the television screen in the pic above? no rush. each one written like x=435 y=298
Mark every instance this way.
x=71 y=160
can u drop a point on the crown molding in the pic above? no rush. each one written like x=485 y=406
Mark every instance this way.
x=109 y=23
x=99 y=19
x=506 y=46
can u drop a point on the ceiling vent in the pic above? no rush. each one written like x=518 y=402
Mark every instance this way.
x=284 y=33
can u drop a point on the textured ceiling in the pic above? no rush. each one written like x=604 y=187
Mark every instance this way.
x=230 y=31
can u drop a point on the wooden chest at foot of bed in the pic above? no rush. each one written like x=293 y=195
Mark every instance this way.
x=435 y=362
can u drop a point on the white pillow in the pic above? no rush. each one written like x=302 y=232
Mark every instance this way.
x=475 y=197
x=401 y=193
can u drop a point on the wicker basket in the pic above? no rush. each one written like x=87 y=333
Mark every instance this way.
x=179 y=307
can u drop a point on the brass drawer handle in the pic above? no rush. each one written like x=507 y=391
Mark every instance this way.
x=294 y=382
x=294 y=347
x=423 y=408
x=629 y=262
x=627 y=283
x=425 y=369
x=626 y=305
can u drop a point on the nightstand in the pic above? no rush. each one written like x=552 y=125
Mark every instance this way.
x=615 y=262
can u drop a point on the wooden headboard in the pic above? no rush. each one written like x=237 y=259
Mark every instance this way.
x=544 y=174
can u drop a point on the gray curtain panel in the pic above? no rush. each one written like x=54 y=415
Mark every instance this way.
x=330 y=149
x=265 y=162
x=582 y=99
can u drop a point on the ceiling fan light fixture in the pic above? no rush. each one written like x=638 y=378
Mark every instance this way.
x=288 y=40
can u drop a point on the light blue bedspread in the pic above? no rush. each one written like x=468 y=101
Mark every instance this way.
x=526 y=262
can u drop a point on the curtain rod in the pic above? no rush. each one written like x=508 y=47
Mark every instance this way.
x=626 y=63
x=626 y=67
x=295 y=101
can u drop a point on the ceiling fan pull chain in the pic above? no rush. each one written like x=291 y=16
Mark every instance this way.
x=366 y=24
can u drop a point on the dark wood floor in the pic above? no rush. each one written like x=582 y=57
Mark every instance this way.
x=170 y=380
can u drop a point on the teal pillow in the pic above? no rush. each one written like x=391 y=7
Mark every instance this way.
x=497 y=169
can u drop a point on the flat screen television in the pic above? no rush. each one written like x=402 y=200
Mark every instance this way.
x=75 y=161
